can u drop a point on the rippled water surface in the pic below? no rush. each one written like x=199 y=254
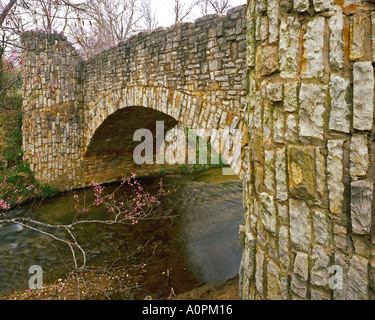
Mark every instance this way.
x=209 y=206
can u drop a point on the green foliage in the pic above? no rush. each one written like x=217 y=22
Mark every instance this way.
x=46 y=190
x=12 y=151
x=13 y=169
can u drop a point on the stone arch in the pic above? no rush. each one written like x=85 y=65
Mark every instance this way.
x=132 y=108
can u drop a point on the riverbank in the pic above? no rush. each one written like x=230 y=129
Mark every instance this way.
x=227 y=290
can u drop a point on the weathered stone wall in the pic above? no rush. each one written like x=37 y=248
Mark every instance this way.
x=309 y=190
x=52 y=109
x=194 y=73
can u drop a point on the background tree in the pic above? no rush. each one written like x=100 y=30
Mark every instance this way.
x=183 y=9
x=149 y=15
x=103 y=24
x=214 y=6
x=18 y=16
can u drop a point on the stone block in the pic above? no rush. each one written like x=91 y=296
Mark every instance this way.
x=259 y=272
x=301 y=171
x=267 y=60
x=250 y=41
x=248 y=256
x=319 y=294
x=312 y=110
x=261 y=33
x=273 y=20
x=340 y=236
x=340 y=117
x=361 y=206
x=260 y=6
x=267 y=121
x=298 y=287
x=290 y=29
x=284 y=247
x=359 y=157
x=335 y=182
x=363 y=95
x=283 y=213
x=312 y=60
x=277 y=283
x=320 y=164
x=269 y=173
x=301 y=266
x=361 y=245
x=291 y=130
x=300 y=224
x=267 y=212
x=358 y=27
x=320 y=259
x=301 y=5
x=275 y=92
x=339 y=278
x=291 y=96
x=321 y=228
x=357 y=279
x=278 y=125
x=323 y=5
x=281 y=175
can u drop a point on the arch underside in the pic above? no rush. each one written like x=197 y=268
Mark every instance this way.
x=109 y=151
x=109 y=155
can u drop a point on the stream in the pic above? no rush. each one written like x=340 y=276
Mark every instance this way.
x=202 y=241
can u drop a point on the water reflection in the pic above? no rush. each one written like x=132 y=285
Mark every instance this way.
x=210 y=213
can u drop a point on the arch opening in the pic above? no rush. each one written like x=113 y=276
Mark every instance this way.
x=109 y=155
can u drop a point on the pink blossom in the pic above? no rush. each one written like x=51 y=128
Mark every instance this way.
x=4 y=205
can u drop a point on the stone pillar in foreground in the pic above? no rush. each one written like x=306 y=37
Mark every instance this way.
x=309 y=193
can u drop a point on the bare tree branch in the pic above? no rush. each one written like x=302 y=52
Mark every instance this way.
x=6 y=11
x=182 y=9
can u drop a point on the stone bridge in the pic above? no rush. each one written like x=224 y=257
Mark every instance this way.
x=80 y=115
x=307 y=69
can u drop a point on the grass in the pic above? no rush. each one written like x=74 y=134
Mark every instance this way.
x=204 y=151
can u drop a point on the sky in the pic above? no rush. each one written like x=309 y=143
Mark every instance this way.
x=165 y=11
